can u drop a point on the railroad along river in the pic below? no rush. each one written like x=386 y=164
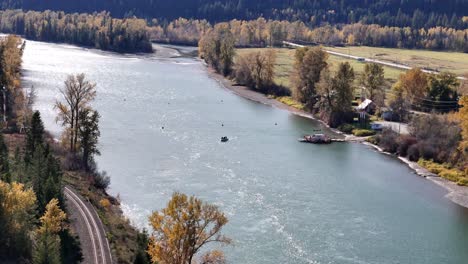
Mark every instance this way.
x=287 y=202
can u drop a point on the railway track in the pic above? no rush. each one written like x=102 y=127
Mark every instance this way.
x=90 y=229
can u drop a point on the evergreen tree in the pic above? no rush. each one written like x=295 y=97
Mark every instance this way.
x=46 y=177
x=35 y=135
x=89 y=135
x=4 y=163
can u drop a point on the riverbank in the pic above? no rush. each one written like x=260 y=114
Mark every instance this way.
x=252 y=95
x=457 y=194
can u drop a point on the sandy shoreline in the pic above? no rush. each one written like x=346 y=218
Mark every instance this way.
x=457 y=194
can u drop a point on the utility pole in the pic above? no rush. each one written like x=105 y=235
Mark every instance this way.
x=4 y=105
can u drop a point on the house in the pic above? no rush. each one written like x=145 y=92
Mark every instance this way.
x=366 y=106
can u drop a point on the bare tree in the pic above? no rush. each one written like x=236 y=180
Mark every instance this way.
x=77 y=94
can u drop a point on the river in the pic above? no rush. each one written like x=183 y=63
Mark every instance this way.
x=287 y=202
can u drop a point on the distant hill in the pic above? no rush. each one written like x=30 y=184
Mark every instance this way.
x=414 y=13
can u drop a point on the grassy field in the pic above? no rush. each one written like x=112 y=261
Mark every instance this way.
x=285 y=60
x=436 y=60
x=442 y=61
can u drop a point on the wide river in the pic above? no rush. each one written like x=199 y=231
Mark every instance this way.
x=287 y=202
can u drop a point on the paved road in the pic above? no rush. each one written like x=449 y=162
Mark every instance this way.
x=400 y=128
x=89 y=227
x=386 y=63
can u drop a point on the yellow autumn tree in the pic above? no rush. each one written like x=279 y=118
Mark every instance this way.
x=463 y=116
x=183 y=228
x=47 y=246
x=17 y=206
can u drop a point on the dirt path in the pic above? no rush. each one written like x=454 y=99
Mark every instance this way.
x=89 y=227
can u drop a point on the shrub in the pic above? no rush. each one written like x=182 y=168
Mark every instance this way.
x=427 y=150
x=445 y=171
x=463 y=181
x=439 y=136
x=373 y=140
x=346 y=128
x=432 y=166
x=105 y=203
x=101 y=180
x=404 y=142
x=388 y=140
x=451 y=174
x=288 y=100
x=363 y=132
x=72 y=162
x=413 y=153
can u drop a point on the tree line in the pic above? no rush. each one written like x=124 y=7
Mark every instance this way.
x=101 y=31
x=415 y=13
x=261 y=33
x=98 y=30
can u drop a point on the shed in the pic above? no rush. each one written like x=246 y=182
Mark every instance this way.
x=366 y=105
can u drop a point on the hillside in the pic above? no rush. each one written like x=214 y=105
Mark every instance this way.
x=414 y=13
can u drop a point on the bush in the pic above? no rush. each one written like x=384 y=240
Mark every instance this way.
x=388 y=141
x=101 y=180
x=105 y=203
x=346 y=128
x=451 y=174
x=439 y=136
x=373 y=140
x=413 y=153
x=427 y=150
x=432 y=166
x=445 y=171
x=462 y=181
x=404 y=143
x=288 y=100
x=72 y=162
x=363 y=132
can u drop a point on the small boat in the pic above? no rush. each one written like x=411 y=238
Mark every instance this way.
x=224 y=139
x=316 y=139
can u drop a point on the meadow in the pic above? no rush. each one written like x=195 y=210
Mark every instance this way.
x=442 y=61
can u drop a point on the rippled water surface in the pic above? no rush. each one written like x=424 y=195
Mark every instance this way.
x=287 y=202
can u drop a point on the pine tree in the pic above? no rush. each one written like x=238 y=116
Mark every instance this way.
x=35 y=136
x=89 y=135
x=4 y=163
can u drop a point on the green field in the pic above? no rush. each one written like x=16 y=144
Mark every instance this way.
x=442 y=61
x=285 y=60
x=455 y=62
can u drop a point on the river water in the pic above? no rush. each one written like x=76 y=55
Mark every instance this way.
x=287 y=202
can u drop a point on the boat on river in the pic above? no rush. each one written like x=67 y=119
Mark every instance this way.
x=224 y=139
x=316 y=139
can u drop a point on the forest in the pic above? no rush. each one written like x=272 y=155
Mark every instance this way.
x=262 y=32
x=399 y=13
x=132 y=35
x=98 y=30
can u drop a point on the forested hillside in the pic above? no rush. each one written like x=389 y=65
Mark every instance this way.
x=399 y=13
